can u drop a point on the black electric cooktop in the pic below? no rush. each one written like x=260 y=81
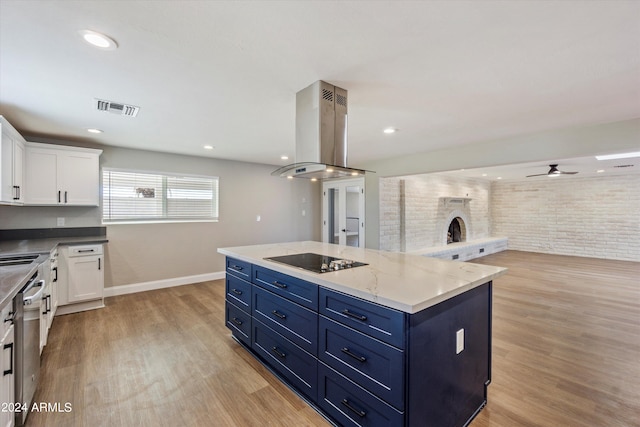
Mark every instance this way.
x=316 y=262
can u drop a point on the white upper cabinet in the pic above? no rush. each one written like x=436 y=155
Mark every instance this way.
x=12 y=170
x=62 y=176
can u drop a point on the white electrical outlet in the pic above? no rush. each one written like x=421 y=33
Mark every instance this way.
x=459 y=341
x=304 y=213
x=258 y=218
x=60 y=222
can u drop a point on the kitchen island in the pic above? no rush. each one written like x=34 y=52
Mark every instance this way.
x=403 y=340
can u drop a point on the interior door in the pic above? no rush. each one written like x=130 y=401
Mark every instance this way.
x=343 y=212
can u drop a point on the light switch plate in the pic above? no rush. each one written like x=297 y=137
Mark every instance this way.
x=60 y=222
x=459 y=341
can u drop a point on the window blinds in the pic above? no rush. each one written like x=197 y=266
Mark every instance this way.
x=141 y=196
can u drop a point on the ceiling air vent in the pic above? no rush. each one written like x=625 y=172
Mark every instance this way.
x=117 y=108
x=623 y=166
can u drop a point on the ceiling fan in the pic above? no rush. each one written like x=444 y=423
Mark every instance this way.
x=553 y=171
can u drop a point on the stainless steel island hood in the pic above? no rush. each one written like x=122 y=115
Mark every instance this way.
x=321 y=134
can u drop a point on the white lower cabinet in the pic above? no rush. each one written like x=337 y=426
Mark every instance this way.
x=80 y=278
x=45 y=309
x=7 y=365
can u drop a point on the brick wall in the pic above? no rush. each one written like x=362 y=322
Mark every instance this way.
x=412 y=212
x=590 y=216
x=389 y=192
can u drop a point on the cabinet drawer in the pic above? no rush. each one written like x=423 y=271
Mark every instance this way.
x=351 y=405
x=239 y=268
x=85 y=250
x=239 y=322
x=384 y=323
x=374 y=365
x=293 y=363
x=297 y=290
x=239 y=292
x=296 y=323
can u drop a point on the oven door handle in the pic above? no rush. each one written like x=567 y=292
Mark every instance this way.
x=37 y=296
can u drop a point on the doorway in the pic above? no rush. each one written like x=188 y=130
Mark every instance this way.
x=343 y=212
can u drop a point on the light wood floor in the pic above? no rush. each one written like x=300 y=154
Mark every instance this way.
x=566 y=352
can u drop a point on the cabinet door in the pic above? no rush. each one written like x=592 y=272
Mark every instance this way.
x=86 y=278
x=78 y=178
x=11 y=169
x=18 y=171
x=7 y=365
x=6 y=168
x=42 y=173
x=44 y=316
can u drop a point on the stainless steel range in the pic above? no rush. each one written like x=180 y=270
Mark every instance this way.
x=316 y=262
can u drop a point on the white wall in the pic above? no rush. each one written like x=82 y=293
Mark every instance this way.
x=148 y=252
x=593 y=216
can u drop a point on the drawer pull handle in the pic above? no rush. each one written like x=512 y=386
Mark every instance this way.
x=358 y=412
x=237 y=292
x=280 y=285
x=10 y=370
x=346 y=351
x=280 y=354
x=278 y=314
x=237 y=321
x=236 y=267
x=354 y=315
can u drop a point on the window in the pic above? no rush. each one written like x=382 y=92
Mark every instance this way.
x=130 y=196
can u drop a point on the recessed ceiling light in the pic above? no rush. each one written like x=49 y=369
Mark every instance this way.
x=98 y=40
x=600 y=170
x=208 y=147
x=484 y=174
x=390 y=130
x=314 y=179
x=284 y=157
x=92 y=130
x=289 y=177
x=329 y=170
x=354 y=174
x=499 y=177
x=619 y=156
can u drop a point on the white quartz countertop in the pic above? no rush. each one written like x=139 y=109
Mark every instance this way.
x=408 y=283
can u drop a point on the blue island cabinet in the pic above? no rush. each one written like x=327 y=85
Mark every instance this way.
x=360 y=363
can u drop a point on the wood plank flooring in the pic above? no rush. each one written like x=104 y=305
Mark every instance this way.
x=566 y=352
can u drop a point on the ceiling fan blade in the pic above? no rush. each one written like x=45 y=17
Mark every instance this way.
x=540 y=174
x=568 y=173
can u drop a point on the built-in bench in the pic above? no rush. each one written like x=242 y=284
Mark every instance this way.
x=464 y=251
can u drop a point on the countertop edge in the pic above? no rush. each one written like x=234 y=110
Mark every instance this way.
x=397 y=305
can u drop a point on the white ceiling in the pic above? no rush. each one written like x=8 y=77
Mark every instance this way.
x=584 y=166
x=446 y=73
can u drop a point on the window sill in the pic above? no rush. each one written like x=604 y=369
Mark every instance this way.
x=166 y=221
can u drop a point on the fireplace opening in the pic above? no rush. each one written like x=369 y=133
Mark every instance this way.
x=457 y=231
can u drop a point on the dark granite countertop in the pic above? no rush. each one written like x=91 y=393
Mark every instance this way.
x=12 y=278
x=39 y=246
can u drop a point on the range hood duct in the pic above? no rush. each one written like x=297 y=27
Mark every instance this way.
x=321 y=134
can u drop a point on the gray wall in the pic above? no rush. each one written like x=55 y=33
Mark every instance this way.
x=139 y=253
x=559 y=144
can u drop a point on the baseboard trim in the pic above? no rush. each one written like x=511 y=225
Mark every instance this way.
x=161 y=284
